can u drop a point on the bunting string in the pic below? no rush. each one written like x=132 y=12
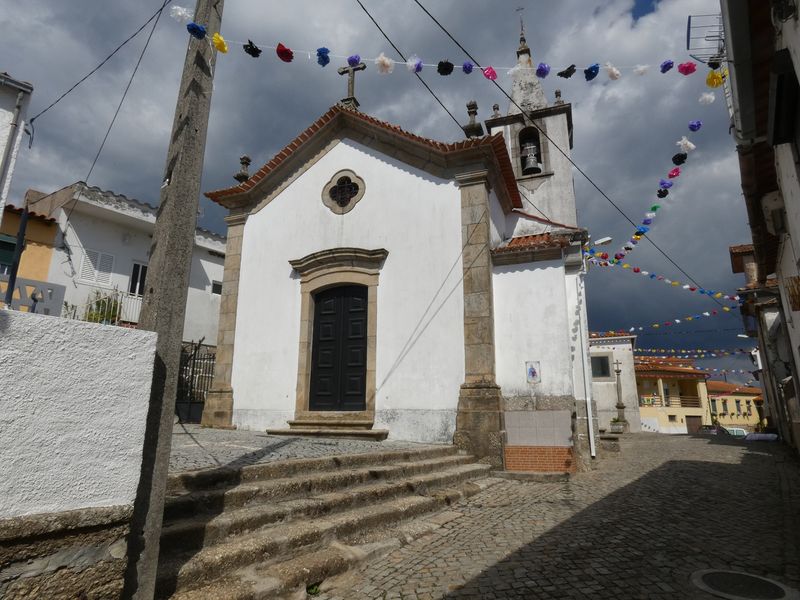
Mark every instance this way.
x=696 y=317
x=385 y=65
x=660 y=278
x=711 y=351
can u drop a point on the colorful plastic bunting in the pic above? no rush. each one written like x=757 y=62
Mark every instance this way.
x=284 y=53
x=467 y=67
x=196 y=31
x=322 y=56
x=490 y=73
x=414 y=64
x=384 y=64
x=591 y=71
x=666 y=66
x=251 y=49
x=542 y=70
x=687 y=68
x=567 y=73
x=219 y=43
x=354 y=60
x=445 y=67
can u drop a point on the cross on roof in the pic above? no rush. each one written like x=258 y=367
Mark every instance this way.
x=351 y=83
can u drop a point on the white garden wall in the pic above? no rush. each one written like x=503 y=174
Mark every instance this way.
x=73 y=404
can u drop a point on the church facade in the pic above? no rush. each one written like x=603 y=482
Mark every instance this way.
x=379 y=283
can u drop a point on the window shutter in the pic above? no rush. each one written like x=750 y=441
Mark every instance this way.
x=97 y=266
x=105 y=267
x=89 y=266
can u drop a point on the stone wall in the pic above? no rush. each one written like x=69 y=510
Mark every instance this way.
x=73 y=404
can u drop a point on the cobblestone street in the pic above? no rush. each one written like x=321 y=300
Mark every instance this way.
x=637 y=527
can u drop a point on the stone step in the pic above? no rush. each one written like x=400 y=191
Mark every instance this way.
x=219 y=500
x=205 y=479
x=336 y=432
x=194 y=577
x=197 y=531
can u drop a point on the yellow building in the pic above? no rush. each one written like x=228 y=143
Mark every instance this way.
x=672 y=398
x=39 y=241
x=735 y=406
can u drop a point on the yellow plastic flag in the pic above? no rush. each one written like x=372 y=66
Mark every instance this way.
x=714 y=79
x=219 y=43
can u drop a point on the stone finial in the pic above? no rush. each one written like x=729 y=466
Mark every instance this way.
x=243 y=175
x=496 y=110
x=558 y=97
x=473 y=128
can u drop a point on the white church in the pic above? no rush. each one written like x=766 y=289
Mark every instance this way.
x=378 y=283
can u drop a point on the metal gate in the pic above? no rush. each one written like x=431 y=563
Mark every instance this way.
x=194 y=381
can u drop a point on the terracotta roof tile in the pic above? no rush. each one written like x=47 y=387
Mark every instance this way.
x=539 y=241
x=496 y=142
x=724 y=386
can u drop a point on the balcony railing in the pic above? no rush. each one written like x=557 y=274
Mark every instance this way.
x=671 y=401
x=110 y=308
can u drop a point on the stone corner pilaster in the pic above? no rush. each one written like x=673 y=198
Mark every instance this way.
x=479 y=422
x=218 y=409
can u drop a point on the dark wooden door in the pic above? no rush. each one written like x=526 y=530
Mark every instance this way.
x=693 y=424
x=339 y=349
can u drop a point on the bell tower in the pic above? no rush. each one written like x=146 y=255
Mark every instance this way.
x=543 y=173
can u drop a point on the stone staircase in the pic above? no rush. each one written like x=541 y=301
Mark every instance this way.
x=265 y=530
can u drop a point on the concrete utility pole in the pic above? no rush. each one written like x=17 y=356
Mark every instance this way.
x=164 y=303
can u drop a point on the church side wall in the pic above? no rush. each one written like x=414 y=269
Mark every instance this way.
x=531 y=325
x=420 y=329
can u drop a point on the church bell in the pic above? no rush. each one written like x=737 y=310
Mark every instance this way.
x=530 y=162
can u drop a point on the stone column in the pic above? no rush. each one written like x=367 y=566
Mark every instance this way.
x=478 y=421
x=218 y=410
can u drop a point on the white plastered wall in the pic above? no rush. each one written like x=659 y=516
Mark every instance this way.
x=532 y=324
x=420 y=330
x=73 y=405
x=605 y=392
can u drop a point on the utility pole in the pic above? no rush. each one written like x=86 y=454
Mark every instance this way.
x=166 y=287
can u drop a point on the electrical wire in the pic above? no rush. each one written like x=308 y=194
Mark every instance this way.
x=396 y=49
x=431 y=92
x=557 y=147
x=114 y=118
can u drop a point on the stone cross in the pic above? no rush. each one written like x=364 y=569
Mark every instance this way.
x=351 y=82
x=617 y=365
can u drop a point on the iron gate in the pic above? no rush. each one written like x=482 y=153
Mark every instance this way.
x=194 y=381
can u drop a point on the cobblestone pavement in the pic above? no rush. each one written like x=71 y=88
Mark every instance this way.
x=194 y=447
x=637 y=527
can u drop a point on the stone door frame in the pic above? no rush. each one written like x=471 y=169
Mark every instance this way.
x=319 y=271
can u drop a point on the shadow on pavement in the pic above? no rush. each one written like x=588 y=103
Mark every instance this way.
x=645 y=539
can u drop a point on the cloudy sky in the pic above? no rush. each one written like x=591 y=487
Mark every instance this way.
x=624 y=131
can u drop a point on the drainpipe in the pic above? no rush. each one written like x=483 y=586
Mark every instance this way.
x=12 y=136
x=18 y=248
x=587 y=391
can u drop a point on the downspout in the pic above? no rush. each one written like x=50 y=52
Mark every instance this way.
x=12 y=136
x=587 y=390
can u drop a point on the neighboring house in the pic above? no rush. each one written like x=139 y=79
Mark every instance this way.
x=32 y=286
x=102 y=252
x=764 y=318
x=14 y=98
x=762 y=51
x=735 y=405
x=385 y=283
x=609 y=352
x=672 y=395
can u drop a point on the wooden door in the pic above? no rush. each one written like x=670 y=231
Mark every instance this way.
x=339 y=349
x=693 y=424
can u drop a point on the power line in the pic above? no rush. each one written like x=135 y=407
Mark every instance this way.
x=569 y=158
x=125 y=92
x=155 y=15
x=396 y=49
x=432 y=93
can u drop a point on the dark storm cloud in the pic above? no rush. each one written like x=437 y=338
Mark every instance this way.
x=625 y=131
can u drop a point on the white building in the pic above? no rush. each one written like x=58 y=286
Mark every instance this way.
x=102 y=251
x=611 y=352
x=762 y=49
x=381 y=282
x=14 y=98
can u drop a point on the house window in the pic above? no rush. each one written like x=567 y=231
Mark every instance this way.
x=713 y=406
x=138 y=276
x=738 y=407
x=672 y=418
x=216 y=287
x=7 y=244
x=97 y=266
x=600 y=367
x=724 y=407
